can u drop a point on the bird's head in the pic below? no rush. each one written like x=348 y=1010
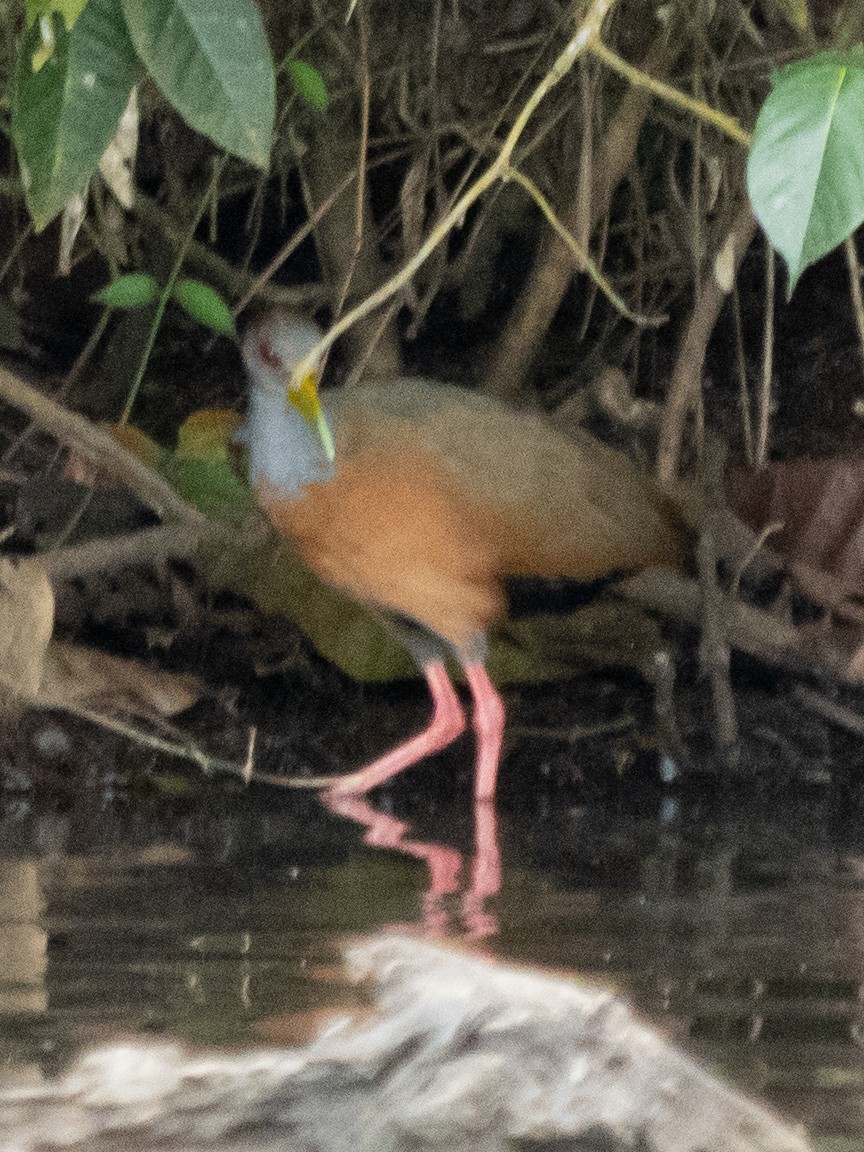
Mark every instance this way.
x=272 y=350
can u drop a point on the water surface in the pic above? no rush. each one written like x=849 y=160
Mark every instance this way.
x=734 y=923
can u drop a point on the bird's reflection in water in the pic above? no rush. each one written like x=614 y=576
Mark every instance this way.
x=470 y=917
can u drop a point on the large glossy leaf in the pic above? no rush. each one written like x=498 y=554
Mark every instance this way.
x=805 y=174
x=212 y=61
x=70 y=10
x=65 y=112
x=270 y=573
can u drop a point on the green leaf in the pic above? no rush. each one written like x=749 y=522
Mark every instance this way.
x=70 y=10
x=805 y=173
x=130 y=291
x=205 y=305
x=201 y=468
x=309 y=83
x=211 y=60
x=65 y=112
x=211 y=486
x=209 y=434
x=271 y=574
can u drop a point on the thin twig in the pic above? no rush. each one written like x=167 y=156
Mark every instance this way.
x=662 y=674
x=837 y=714
x=151 y=547
x=162 y=303
x=573 y=733
x=248 y=771
x=181 y=747
x=360 y=196
x=854 y=266
x=98 y=446
x=582 y=258
x=231 y=280
x=581 y=42
x=365 y=91
x=189 y=751
x=751 y=554
x=687 y=374
x=698 y=108
x=15 y=249
x=86 y=354
x=743 y=389
x=764 y=414
x=292 y=245
x=714 y=646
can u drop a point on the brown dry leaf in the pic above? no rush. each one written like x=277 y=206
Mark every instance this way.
x=26 y=624
x=815 y=510
x=76 y=678
x=818 y=506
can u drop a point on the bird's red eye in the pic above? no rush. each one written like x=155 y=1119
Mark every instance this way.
x=268 y=356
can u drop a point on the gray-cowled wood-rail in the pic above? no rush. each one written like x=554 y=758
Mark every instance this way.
x=418 y=498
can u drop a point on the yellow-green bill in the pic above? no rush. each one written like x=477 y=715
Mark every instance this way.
x=305 y=400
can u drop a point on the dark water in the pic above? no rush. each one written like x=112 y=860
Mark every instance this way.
x=736 y=924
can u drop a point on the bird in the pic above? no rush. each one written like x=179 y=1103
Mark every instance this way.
x=419 y=498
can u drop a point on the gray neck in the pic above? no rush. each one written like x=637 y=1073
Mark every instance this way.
x=283 y=449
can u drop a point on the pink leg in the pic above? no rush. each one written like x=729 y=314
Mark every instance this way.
x=489 y=716
x=486 y=869
x=485 y=873
x=446 y=724
x=385 y=831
